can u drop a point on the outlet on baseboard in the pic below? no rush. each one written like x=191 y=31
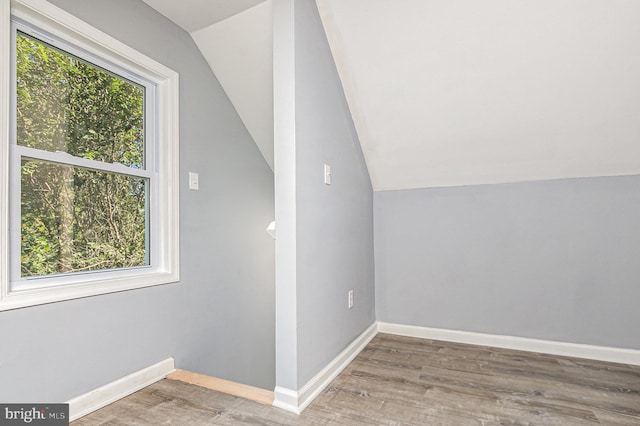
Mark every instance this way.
x=350 y=299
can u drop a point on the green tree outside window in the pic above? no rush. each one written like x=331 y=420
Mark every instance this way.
x=77 y=219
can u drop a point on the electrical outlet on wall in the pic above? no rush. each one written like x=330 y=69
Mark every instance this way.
x=350 y=299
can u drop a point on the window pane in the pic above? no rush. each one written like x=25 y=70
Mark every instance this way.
x=66 y=104
x=75 y=219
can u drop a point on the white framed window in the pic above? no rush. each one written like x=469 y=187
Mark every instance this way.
x=89 y=154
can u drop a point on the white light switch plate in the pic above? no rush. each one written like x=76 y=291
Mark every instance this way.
x=327 y=174
x=193 y=181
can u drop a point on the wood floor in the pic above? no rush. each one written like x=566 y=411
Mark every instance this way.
x=407 y=381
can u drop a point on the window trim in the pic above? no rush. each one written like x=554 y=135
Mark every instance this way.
x=165 y=245
x=19 y=152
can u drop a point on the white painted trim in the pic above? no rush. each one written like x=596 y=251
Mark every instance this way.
x=286 y=399
x=5 y=107
x=91 y=401
x=284 y=127
x=321 y=380
x=67 y=26
x=68 y=159
x=600 y=353
x=296 y=402
x=164 y=201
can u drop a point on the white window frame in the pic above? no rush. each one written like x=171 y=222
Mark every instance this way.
x=162 y=166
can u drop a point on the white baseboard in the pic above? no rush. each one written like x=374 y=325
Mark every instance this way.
x=297 y=401
x=600 y=353
x=286 y=399
x=111 y=392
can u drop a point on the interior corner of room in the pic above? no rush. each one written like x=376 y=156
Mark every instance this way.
x=460 y=171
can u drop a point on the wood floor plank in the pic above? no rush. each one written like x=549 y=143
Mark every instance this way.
x=399 y=380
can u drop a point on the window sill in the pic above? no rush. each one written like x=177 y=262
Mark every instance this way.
x=86 y=288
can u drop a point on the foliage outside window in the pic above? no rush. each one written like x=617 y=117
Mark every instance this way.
x=89 y=200
x=73 y=218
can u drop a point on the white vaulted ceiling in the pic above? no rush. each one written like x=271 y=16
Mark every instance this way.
x=193 y=15
x=459 y=92
x=239 y=51
x=236 y=39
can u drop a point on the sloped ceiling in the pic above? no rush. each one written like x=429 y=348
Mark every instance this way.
x=239 y=50
x=464 y=92
x=236 y=39
x=193 y=15
x=460 y=92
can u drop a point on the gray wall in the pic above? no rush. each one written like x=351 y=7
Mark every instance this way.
x=554 y=260
x=334 y=223
x=219 y=319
